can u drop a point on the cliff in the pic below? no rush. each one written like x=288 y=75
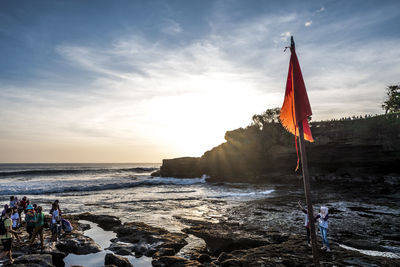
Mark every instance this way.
x=367 y=147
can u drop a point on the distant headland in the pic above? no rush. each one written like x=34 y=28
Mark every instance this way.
x=357 y=149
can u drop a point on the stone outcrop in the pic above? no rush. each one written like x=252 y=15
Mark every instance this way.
x=106 y=222
x=226 y=237
x=186 y=167
x=78 y=244
x=360 y=150
x=173 y=261
x=111 y=259
x=147 y=240
x=52 y=254
x=34 y=260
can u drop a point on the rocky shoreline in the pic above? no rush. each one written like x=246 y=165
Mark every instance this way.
x=263 y=232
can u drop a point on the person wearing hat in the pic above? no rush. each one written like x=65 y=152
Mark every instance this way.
x=30 y=218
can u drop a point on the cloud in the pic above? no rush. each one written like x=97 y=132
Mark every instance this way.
x=320 y=10
x=308 y=23
x=285 y=36
x=171 y=27
x=153 y=93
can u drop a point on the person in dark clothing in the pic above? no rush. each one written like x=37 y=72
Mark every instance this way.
x=306 y=223
x=30 y=217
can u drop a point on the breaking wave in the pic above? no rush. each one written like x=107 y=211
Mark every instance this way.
x=243 y=194
x=37 y=188
x=69 y=171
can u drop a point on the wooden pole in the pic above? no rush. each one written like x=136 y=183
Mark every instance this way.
x=306 y=180
x=307 y=191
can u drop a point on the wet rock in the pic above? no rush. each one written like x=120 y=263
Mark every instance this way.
x=83 y=227
x=43 y=260
x=173 y=261
x=150 y=252
x=204 y=258
x=231 y=263
x=106 y=222
x=111 y=259
x=120 y=246
x=140 y=249
x=215 y=263
x=78 y=244
x=224 y=256
x=57 y=255
x=123 y=252
x=156 y=173
x=164 y=252
x=220 y=238
x=146 y=238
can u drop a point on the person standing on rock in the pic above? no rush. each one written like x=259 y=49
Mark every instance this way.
x=323 y=227
x=55 y=222
x=55 y=205
x=15 y=221
x=21 y=208
x=6 y=238
x=30 y=217
x=3 y=213
x=13 y=202
x=38 y=230
x=306 y=223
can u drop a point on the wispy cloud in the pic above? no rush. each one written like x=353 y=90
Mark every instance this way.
x=171 y=27
x=285 y=36
x=308 y=23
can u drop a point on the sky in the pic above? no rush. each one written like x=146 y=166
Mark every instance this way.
x=141 y=81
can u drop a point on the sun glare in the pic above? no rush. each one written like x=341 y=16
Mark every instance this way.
x=194 y=122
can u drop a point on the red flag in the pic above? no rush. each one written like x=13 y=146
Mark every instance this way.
x=296 y=107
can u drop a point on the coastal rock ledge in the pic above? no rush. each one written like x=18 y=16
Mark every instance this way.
x=360 y=150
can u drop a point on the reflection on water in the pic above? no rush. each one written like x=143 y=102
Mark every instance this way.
x=102 y=238
x=155 y=205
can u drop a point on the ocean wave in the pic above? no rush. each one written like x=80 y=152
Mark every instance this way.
x=242 y=194
x=176 y=181
x=89 y=186
x=56 y=172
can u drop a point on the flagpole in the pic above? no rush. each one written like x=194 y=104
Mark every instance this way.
x=307 y=191
x=306 y=181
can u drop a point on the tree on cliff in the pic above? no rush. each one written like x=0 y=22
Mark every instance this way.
x=392 y=102
x=268 y=116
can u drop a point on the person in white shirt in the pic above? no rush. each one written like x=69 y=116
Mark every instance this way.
x=15 y=221
x=323 y=227
x=55 y=222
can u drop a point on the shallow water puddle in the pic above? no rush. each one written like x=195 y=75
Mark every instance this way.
x=102 y=238
x=373 y=252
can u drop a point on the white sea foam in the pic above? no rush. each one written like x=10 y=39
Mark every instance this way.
x=36 y=187
x=177 y=181
x=373 y=252
x=243 y=194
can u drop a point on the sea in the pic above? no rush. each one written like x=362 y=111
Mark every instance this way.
x=127 y=191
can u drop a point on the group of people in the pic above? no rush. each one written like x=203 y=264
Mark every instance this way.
x=11 y=222
x=322 y=218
